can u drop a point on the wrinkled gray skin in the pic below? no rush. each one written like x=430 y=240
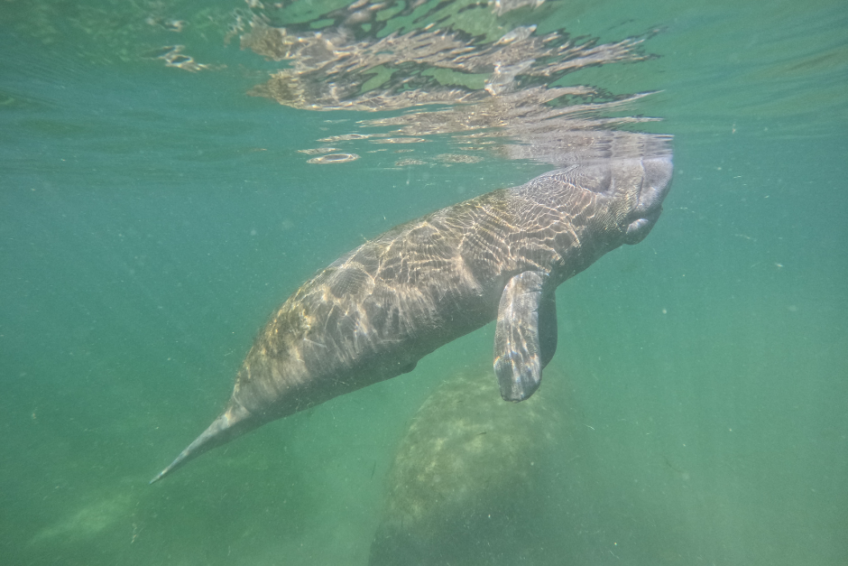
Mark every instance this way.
x=375 y=312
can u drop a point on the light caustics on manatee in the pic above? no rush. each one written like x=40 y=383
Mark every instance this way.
x=376 y=311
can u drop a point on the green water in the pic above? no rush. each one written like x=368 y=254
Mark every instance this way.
x=152 y=217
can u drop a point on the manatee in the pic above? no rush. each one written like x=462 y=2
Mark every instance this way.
x=469 y=478
x=373 y=313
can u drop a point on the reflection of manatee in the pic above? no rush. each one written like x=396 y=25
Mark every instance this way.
x=466 y=483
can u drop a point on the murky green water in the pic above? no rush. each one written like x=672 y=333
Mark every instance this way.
x=152 y=214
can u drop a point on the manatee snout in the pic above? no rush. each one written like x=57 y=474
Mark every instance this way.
x=656 y=181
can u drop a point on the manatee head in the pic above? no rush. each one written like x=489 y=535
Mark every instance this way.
x=614 y=200
x=640 y=188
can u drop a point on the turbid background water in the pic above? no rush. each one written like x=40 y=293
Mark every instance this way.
x=151 y=218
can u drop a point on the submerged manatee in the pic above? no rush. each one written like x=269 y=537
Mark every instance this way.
x=467 y=484
x=376 y=311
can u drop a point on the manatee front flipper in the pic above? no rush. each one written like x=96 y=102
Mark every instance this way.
x=526 y=335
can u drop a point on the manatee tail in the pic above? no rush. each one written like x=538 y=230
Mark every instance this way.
x=235 y=421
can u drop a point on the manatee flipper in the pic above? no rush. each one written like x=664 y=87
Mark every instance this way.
x=547 y=328
x=525 y=336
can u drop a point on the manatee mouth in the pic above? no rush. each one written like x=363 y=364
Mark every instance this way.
x=640 y=228
x=656 y=182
